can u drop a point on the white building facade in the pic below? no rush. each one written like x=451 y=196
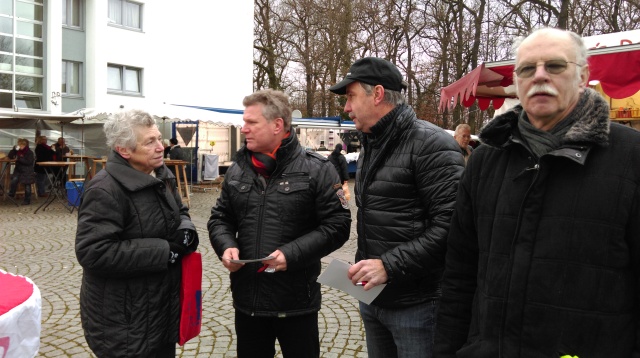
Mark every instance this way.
x=57 y=56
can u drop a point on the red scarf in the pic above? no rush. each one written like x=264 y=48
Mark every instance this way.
x=265 y=163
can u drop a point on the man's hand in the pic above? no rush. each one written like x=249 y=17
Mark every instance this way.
x=231 y=253
x=371 y=271
x=278 y=262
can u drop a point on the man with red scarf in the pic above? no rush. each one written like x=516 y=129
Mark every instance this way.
x=23 y=172
x=284 y=207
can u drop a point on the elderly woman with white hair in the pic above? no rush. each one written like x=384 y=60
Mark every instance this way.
x=132 y=232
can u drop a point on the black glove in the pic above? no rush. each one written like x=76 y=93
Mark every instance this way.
x=183 y=242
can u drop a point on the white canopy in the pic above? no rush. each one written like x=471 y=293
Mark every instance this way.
x=163 y=111
x=22 y=120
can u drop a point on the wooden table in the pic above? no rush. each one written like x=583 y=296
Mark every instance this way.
x=79 y=158
x=181 y=178
x=5 y=178
x=57 y=183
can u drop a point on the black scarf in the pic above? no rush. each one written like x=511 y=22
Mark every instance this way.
x=542 y=142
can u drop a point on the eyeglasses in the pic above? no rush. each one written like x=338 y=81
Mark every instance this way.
x=554 y=67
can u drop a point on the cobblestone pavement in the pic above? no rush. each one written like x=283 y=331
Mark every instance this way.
x=41 y=247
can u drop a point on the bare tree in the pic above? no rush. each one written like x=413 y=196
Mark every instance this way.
x=305 y=46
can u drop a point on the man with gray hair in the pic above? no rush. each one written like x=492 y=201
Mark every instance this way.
x=406 y=182
x=543 y=256
x=462 y=135
x=133 y=230
x=283 y=209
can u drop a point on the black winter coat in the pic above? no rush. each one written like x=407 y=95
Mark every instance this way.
x=176 y=153
x=129 y=300
x=44 y=153
x=340 y=163
x=24 y=165
x=544 y=257
x=298 y=211
x=406 y=182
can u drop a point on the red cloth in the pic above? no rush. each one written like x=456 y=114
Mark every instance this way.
x=15 y=290
x=617 y=73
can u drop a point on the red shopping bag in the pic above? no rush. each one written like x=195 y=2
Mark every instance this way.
x=190 y=297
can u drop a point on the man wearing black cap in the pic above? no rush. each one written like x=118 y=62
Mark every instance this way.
x=406 y=182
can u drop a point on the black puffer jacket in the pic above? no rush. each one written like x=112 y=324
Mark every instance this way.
x=553 y=247
x=299 y=212
x=129 y=300
x=406 y=184
x=340 y=163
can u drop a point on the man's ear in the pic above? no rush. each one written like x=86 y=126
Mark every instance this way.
x=124 y=152
x=584 y=77
x=378 y=94
x=278 y=125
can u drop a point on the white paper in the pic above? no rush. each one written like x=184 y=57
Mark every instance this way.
x=250 y=260
x=336 y=276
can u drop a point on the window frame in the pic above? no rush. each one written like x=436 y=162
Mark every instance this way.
x=122 y=72
x=70 y=12
x=23 y=78
x=67 y=65
x=112 y=22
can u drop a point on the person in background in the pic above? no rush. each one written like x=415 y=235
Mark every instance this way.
x=406 y=182
x=281 y=204
x=61 y=150
x=133 y=230
x=175 y=151
x=462 y=135
x=44 y=153
x=23 y=172
x=340 y=163
x=167 y=147
x=543 y=256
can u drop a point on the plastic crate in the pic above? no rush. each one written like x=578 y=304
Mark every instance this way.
x=73 y=193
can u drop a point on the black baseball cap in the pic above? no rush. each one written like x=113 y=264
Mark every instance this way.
x=373 y=71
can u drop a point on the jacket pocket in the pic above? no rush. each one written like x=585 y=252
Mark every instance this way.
x=240 y=196
x=294 y=198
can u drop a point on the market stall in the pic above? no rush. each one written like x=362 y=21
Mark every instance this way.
x=614 y=60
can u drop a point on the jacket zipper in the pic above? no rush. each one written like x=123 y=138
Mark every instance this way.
x=263 y=189
x=535 y=167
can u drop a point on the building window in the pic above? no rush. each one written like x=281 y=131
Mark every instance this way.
x=70 y=78
x=21 y=53
x=125 y=13
x=72 y=13
x=124 y=80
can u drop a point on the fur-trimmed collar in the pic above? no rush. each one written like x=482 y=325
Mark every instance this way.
x=591 y=126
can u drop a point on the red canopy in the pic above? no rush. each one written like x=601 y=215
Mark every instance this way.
x=615 y=67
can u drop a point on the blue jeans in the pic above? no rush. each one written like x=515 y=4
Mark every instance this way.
x=400 y=332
